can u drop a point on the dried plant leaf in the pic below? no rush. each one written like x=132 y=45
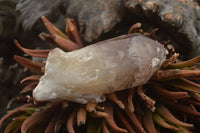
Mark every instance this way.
x=110 y=119
x=163 y=75
x=148 y=122
x=35 y=66
x=90 y=107
x=160 y=121
x=72 y=29
x=47 y=38
x=20 y=118
x=162 y=92
x=50 y=127
x=29 y=87
x=22 y=108
x=130 y=99
x=52 y=29
x=135 y=121
x=61 y=119
x=125 y=122
x=185 y=109
x=11 y=126
x=105 y=127
x=35 y=53
x=81 y=116
x=70 y=122
x=183 y=64
x=165 y=113
x=31 y=78
x=184 y=85
x=148 y=101
x=113 y=98
x=37 y=117
x=66 y=44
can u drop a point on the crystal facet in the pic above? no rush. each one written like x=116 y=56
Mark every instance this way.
x=85 y=75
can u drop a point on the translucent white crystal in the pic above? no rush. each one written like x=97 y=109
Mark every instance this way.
x=85 y=75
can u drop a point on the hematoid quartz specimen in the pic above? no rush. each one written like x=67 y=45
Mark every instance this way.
x=85 y=75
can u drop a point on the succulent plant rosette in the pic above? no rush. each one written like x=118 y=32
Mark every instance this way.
x=167 y=101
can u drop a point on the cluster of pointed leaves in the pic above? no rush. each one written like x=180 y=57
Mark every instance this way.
x=170 y=101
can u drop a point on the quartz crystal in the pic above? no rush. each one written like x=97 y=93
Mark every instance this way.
x=85 y=75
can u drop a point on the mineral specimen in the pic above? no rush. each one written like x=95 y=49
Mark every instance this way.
x=85 y=75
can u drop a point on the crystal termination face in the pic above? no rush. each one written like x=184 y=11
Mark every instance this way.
x=85 y=75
